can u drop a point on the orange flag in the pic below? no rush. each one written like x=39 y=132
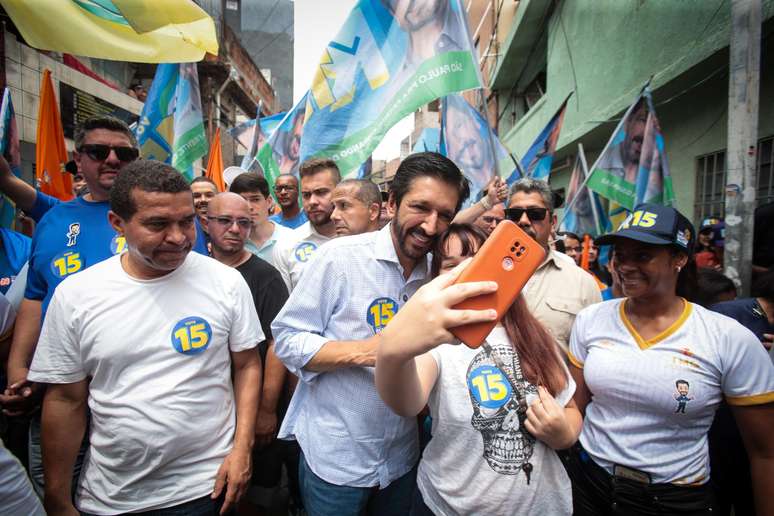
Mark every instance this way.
x=585 y=254
x=215 y=162
x=50 y=151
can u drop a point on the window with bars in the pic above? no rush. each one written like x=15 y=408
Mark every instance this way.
x=711 y=180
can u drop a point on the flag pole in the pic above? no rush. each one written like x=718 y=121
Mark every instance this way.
x=585 y=167
x=607 y=145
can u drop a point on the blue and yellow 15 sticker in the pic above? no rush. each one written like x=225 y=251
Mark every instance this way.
x=118 y=244
x=304 y=251
x=380 y=313
x=66 y=263
x=489 y=386
x=191 y=335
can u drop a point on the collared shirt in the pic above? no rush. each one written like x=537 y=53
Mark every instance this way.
x=555 y=294
x=266 y=250
x=291 y=255
x=351 y=291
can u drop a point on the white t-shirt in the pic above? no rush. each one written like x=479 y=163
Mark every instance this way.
x=653 y=401
x=473 y=464
x=294 y=251
x=161 y=396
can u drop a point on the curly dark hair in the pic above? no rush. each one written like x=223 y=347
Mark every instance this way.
x=149 y=176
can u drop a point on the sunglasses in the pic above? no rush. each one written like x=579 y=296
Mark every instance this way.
x=99 y=152
x=533 y=214
x=228 y=222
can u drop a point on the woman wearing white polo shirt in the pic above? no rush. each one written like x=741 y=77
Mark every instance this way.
x=651 y=370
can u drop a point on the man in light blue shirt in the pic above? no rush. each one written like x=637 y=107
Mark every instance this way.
x=264 y=233
x=358 y=457
x=286 y=192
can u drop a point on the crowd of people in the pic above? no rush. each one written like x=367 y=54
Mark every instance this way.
x=300 y=359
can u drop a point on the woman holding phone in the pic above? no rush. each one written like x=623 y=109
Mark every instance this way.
x=498 y=411
x=651 y=370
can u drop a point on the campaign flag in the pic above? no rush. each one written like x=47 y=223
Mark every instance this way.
x=9 y=148
x=282 y=151
x=633 y=168
x=244 y=133
x=171 y=128
x=584 y=213
x=215 y=162
x=469 y=142
x=143 y=31
x=385 y=62
x=536 y=162
x=50 y=150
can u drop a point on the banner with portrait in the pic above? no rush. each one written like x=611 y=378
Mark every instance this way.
x=633 y=167
x=389 y=58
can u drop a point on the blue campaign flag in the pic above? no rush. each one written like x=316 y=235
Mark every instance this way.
x=429 y=140
x=584 y=213
x=536 y=162
x=10 y=148
x=468 y=141
x=171 y=128
x=385 y=62
x=280 y=154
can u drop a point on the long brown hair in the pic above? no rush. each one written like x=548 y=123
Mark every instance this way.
x=537 y=349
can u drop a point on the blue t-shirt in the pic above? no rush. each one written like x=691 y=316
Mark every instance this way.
x=43 y=203
x=290 y=223
x=14 y=254
x=72 y=236
x=748 y=313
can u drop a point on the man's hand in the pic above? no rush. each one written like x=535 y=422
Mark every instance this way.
x=265 y=428
x=546 y=421
x=497 y=191
x=234 y=473
x=21 y=397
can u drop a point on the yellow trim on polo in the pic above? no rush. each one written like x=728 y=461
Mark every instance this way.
x=755 y=399
x=574 y=361
x=645 y=344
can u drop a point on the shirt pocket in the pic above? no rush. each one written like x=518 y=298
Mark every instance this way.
x=560 y=316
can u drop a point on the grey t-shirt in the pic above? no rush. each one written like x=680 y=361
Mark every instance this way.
x=474 y=462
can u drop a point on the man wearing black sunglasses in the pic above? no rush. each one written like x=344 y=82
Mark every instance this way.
x=559 y=289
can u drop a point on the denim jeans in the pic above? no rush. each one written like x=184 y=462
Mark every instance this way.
x=322 y=498
x=204 y=506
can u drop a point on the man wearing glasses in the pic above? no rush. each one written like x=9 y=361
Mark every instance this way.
x=70 y=237
x=559 y=289
x=286 y=192
x=229 y=225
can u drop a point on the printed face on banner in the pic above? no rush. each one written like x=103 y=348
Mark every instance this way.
x=390 y=57
x=467 y=141
x=634 y=168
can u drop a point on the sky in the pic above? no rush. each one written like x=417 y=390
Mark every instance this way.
x=316 y=24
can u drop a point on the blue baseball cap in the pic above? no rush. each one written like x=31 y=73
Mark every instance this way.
x=654 y=224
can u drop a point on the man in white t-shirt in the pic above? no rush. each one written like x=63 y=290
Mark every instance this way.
x=318 y=179
x=149 y=339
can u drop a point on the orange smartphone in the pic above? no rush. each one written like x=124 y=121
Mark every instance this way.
x=509 y=257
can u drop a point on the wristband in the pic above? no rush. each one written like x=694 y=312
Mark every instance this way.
x=485 y=203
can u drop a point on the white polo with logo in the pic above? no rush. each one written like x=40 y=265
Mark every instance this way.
x=161 y=396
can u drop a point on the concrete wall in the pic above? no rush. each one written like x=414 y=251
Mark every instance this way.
x=610 y=50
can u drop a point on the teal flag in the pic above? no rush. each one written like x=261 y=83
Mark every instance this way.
x=171 y=128
x=10 y=148
x=633 y=168
x=388 y=59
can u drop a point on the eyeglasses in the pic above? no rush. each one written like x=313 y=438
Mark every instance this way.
x=99 y=152
x=228 y=222
x=533 y=214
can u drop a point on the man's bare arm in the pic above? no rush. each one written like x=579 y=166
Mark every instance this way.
x=17 y=190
